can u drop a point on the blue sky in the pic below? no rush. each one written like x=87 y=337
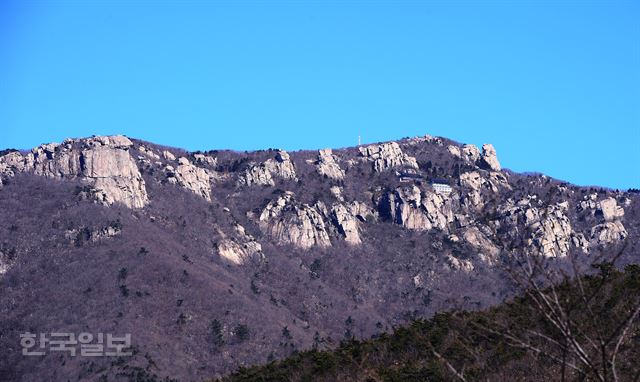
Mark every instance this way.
x=554 y=85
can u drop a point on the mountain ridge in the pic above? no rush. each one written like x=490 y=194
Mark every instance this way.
x=329 y=244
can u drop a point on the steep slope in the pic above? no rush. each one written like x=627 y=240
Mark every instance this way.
x=468 y=346
x=116 y=235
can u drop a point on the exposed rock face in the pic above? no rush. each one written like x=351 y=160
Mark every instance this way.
x=115 y=176
x=608 y=233
x=610 y=210
x=475 y=237
x=474 y=184
x=548 y=231
x=263 y=173
x=417 y=210
x=86 y=234
x=103 y=163
x=471 y=153
x=168 y=155
x=459 y=264
x=239 y=249
x=193 y=178
x=454 y=150
x=387 y=156
x=148 y=152
x=347 y=223
x=202 y=159
x=489 y=158
x=607 y=211
x=347 y=219
x=289 y=223
x=327 y=165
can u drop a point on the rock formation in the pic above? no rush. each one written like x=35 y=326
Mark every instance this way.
x=103 y=163
x=414 y=209
x=471 y=153
x=489 y=158
x=286 y=222
x=547 y=230
x=327 y=165
x=240 y=248
x=202 y=159
x=264 y=173
x=386 y=156
x=192 y=178
x=474 y=184
x=610 y=210
x=608 y=233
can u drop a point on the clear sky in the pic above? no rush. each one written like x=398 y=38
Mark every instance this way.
x=554 y=85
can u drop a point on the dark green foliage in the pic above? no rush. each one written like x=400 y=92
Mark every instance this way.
x=215 y=333
x=241 y=332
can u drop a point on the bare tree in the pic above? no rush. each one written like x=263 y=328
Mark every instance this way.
x=583 y=332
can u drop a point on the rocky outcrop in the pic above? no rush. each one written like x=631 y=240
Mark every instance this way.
x=287 y=222
x=194 y=179
x=610 y=210
x=608 y=233
x=327 y=165
x=115 y=176
x=239 y=248
x=205 y=160
x=458 y=264
x=264 y=173
x=487 y=250
x=474 y=185
x=454 y=150
x=347 y=223
x=471 y=153
x=168 y=155
x=79 y=236
x=347 y=218
x=547 y=231
x=489 y=159
x=102 y=163
x=609 y=214
x=148 y=152
x=415 y=209
x=386 y=156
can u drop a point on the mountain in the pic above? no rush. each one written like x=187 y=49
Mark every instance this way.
x=221 y=259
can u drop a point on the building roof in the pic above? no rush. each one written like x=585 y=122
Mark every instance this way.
x=410 y=175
